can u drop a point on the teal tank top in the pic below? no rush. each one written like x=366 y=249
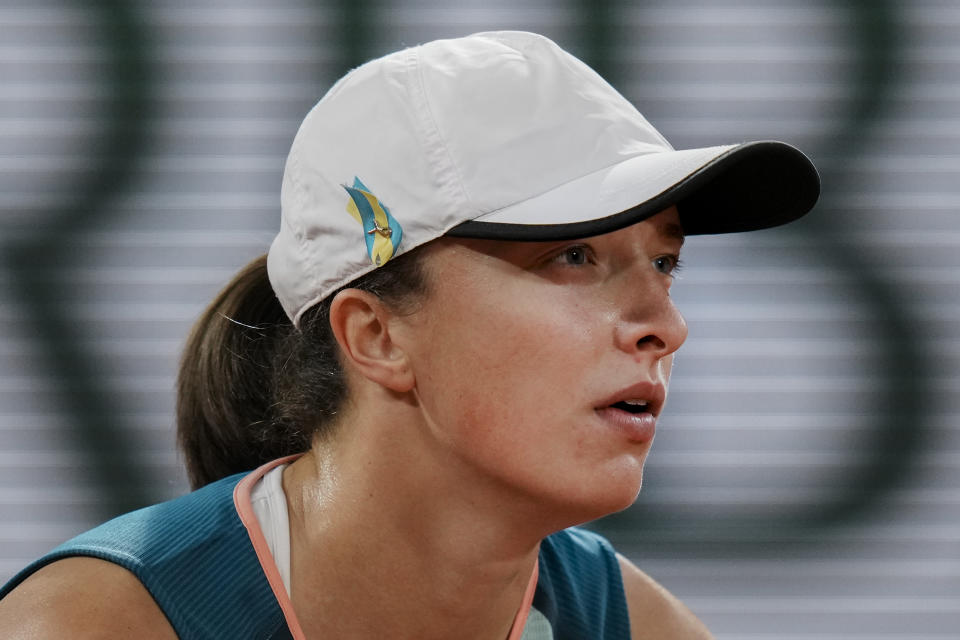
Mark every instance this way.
x=194 y=555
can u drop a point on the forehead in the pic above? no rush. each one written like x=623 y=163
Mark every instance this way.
x=671 y=231
x=664 y=225
x=659 y=232
x=667 y=224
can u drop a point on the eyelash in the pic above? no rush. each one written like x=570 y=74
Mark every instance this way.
x=676 y=265
x=568 y=251
x=673 y=270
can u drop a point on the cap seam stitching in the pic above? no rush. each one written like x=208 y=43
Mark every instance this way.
x=432 y=129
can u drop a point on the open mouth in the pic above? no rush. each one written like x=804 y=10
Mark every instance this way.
x=631 y=407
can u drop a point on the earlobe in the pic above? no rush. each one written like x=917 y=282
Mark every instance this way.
x=361 y=325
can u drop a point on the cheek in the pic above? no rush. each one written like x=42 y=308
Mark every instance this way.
x=487 y=363
x=503 y=370
x=507 y=384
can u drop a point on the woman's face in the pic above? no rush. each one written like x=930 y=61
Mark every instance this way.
x=542 y=366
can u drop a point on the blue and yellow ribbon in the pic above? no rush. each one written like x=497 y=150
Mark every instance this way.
x=380 y=230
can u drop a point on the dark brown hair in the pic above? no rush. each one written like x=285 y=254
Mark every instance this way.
x=252 y=387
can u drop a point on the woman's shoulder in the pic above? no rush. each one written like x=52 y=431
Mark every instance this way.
x=579 y=589
x=654 y=611
x=587 y=584
x=140 y=561
x=91 y=598
x=156 y=536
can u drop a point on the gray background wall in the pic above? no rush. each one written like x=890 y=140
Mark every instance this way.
x=804 y=482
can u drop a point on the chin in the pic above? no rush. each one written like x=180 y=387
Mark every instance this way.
x=604 y=499
x=622 y=492
x=624 y=501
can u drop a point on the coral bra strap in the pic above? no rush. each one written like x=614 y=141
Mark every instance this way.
x=241 y=500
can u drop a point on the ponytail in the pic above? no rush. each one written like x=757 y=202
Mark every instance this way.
x=252 y=387
x=223 y=390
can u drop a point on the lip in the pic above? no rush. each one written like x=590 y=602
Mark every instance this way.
x=636 y=427
x=655 y=394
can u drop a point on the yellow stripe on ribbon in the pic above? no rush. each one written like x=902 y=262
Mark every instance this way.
x=382 y=232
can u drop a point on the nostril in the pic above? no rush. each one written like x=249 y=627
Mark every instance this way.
x=652 y=341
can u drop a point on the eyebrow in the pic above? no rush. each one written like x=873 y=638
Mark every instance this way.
x=673 y=231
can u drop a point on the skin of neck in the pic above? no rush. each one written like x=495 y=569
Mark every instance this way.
x=391 y=537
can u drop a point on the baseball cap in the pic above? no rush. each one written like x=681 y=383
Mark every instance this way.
x=499 y=135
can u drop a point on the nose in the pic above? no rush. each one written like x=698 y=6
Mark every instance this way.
x=651 y=325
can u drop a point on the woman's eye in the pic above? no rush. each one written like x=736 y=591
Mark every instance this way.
x=668 y=265
x=576 y=255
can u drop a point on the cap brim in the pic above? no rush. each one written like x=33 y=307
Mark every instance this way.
x=723 y=189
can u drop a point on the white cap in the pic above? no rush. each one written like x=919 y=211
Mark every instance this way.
x=498 y=135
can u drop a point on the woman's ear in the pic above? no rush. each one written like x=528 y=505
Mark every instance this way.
x=361 y=325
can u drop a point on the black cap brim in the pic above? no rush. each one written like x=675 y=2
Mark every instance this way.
x=756 y=185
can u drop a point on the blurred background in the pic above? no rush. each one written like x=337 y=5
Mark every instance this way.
x=805 y=481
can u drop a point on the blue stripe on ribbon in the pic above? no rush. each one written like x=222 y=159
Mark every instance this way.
x=368 y=217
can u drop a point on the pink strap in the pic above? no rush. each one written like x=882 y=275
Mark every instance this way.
x=516 y=631
x=244 y=507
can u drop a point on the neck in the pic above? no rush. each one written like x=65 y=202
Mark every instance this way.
x=389 y=537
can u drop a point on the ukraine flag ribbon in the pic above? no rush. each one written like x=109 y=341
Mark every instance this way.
x=380 y=230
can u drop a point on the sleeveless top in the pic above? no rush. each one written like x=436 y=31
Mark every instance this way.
x=205 y=562
x=269 y=504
